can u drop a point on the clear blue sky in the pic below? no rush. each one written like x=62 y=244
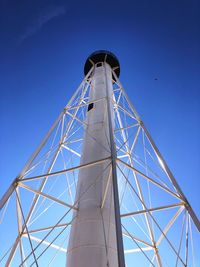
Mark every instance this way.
x=43 y=48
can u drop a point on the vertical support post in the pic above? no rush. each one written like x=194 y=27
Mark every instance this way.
x=120 y=247
x=96 y=234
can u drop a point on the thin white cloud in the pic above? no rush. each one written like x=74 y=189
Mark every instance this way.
x=45 y=16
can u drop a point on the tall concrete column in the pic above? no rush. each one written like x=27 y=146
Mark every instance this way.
x=93 y=239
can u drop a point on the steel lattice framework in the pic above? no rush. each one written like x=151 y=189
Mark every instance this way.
x=159 y=227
